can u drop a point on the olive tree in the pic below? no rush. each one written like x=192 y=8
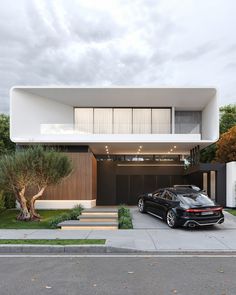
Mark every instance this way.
x=28 y=172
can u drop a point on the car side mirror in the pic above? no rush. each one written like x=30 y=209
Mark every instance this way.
x=150 y=195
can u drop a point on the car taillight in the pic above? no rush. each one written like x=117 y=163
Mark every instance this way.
x=204 y=210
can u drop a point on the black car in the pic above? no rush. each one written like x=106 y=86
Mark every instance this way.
x=181 y=206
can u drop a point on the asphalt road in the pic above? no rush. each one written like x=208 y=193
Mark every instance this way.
x=128 y=275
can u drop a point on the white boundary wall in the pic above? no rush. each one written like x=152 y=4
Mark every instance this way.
x=62 y=204
x=231 y=184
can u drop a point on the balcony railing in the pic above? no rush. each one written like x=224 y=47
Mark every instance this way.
x=60 y=129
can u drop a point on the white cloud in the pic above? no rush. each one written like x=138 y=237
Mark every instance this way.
x=112 y=42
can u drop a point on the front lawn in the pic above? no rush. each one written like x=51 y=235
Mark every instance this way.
x=54 y=242
x=8 y=219
x=232 y=211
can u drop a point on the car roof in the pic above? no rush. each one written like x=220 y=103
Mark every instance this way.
x=180 y=190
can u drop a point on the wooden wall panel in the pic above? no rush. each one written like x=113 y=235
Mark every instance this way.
x=81 y=184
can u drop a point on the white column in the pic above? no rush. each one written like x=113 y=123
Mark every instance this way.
x=231 y=184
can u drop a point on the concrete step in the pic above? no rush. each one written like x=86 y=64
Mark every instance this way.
x=76 y=224
x=99 y=213
x=95 y=218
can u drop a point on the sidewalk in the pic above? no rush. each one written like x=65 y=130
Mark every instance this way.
x=162 y=238
x=141 y=239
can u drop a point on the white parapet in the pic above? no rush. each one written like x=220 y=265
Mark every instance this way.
x=64 y=204
x=231 y=184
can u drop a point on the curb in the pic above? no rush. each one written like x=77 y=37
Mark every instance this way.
x=101 y=249
x=57 y=249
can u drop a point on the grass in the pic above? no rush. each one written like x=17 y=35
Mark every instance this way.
x=8 y=219
x=232 y=211
x=55 y=242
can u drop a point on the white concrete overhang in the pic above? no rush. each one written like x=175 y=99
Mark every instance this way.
x=182 y=98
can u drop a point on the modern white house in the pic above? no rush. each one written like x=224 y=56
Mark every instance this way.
x=122 y=140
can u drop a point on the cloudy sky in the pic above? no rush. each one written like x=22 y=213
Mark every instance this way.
x=118 y=42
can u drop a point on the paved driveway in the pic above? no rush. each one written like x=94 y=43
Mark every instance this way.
x=147 y=221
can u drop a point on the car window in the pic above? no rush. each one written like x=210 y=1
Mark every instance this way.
x=196 y=199
x=169 y=196
x=158 y=194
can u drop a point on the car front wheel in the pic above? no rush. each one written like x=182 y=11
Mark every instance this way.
x=171 y=219
x=141 y=205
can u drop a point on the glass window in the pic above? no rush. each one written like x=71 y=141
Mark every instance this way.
x=103 y=120
x=122 y=121
x=142 y=121
x=161 y=121
x=187 y=122
x=84 y=120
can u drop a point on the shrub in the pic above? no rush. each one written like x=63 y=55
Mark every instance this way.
x=125 y=218
x=70 y=215
x=2 y=201
x=7 y=200
x=10 y=200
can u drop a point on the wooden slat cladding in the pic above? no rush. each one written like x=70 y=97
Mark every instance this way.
x=81 y=184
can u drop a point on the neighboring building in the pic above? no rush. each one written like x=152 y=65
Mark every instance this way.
x=122 y=140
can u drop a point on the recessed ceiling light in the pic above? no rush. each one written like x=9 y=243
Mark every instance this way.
x=171 y=150
x=106 y=146
x=140 y=146
x=174 y=146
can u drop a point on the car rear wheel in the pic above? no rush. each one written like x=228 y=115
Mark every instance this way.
x=141 y=206
x=171 y=219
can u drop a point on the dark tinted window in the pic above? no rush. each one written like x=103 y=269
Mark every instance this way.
x=158 y=194
x=196 y=200
x=169 y=196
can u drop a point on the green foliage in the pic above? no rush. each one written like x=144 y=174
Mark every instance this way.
x=33 y=167
x=7 y=200
x=208 y=154
x=8 y=219
x=227 y=120
x=2 y=201
x=125 y=218
x=72 y=214
x=226 y=146
x=227 y=117
x=53 y=242
x=10 y=200
x=6 y=145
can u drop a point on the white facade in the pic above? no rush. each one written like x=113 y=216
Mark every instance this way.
x=47 y=115
x=231 y=184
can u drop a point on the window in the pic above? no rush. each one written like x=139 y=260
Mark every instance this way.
x=158 y=194
x=187 y=122
x=142 y=121
x=161 y=119
x=84 y=120
x=169 y=196
x=103 y=121
x=122 y=121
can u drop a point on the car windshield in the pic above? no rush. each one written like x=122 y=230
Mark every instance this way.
x=195 y=200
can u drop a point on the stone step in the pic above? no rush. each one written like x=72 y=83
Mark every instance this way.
x=99 y=213
x=76 y=224
x=100 y=218
x=97 y=209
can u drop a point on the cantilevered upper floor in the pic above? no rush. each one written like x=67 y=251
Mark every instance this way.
x=120 y=116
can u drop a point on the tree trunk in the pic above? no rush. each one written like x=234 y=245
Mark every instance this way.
x=33 y=214
x=24 y=212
